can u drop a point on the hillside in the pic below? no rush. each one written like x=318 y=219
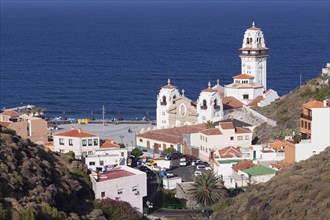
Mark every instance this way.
x=286 y=111
x=301 y=191
x=37 y=184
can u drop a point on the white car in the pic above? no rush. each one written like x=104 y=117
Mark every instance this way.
x=169 y=173
x=203 y=167
x=183 y=162
x=198 y=173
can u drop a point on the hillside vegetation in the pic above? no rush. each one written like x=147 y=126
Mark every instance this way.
x=39 y=184
x=286 y=110
x=301 y=191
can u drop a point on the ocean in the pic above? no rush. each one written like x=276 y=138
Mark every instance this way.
x=76 y=56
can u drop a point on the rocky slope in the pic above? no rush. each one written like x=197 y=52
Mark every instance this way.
x=286 y=111
x=301 y=191
x=37 y=184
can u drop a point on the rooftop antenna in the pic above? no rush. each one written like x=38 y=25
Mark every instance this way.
x=103 y=112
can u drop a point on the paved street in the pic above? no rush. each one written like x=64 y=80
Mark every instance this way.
x=117 y=132
x=186 y=172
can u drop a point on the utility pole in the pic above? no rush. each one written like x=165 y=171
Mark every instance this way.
x=103 y=112
x=300 y=79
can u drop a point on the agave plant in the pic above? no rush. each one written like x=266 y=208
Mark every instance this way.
x=208 y=189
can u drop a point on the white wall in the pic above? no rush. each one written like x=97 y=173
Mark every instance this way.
x=108 y=157
x=268 y=98
x=76 y=147
x=320 y=135
x=126 y=184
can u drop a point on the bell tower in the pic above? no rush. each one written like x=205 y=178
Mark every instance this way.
x=165 y=99
x=254 y=55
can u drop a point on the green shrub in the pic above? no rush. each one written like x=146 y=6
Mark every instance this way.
x=114 y=209
x=169 y=151
x=307 y=93
x=26 y=215
x=220 y=206
x=53 y=212
x=322 y=93
x=136 y=152
x=3 y=212
x=70 y=154
x=80 y=172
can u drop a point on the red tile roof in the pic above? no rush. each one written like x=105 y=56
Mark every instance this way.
x=278 y=145
x=314 y=104
x=209 y=90
x=169 y=86
x=243 y=165
x=172 y=135
x=230 y=102
x=4 y=123
x=243 y=76
x=253 y=28
x=279 y=165
x=240 y=130
x=255 y=101
x=75 y=133
x=114 y=174
x=227 y=125
x=109 y=144
x=10 y=113
x=229 y=152
x=212 y=131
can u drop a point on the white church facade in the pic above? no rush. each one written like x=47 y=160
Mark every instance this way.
x=248 y=88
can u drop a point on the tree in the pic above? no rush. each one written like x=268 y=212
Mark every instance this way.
x=136 y=152
x=209 y=124
x=208 y=189
x=324 y=77
x=169 y=151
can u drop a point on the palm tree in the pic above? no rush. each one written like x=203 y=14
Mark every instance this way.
x=209 y=124
x=208 y=189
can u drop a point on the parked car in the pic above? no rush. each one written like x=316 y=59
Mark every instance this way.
x=202 y=167
x=169 y=173
x=183 y=162
x=198 y=173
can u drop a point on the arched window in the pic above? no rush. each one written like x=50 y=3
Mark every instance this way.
x=174 y=97
x=251 y=40
x=204 y=106
x=247 y=41
x=163 y=102
x=216 y=106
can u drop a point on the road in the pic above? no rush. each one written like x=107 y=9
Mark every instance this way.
x=175 y=212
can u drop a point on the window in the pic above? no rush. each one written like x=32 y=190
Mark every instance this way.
x=305 y=124
x=302 y=124
x=90 y=143
x=174 y=97
x=84 y=142
x=163 y=113
x=91 y=163
x=96 y=142
x=62 y=151
x=61 y=141
x=90 y=152
x=135 y=190
x=102 y=194
x=206 y=139
x=246 y=137
x=101 y=162
x=245 y=81
x=309 y=126
x=239 y=137
x=70 y=142
x=206 y=150
x=120 y=191
x=201 y=137
x=231 y=138
x=201 y=148
x=236 y=81
x=141 y=140
x=122 y=154
x=245 y=96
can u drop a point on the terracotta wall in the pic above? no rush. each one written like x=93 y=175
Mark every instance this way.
x=290 y=152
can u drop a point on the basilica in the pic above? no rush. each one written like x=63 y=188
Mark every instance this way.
x=249 y=88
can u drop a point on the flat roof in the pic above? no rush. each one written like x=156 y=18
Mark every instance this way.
x=114 y=174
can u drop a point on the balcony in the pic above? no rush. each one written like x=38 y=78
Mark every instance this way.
x=163 y=103
x=307 y=117
x=203 y=107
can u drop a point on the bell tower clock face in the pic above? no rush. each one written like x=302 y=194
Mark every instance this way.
x=183 y=110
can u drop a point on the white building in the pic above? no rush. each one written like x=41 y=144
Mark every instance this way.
x=316 y=125
x=81 y=143
x=250 y=87
x=175 y=109
x=109 y=154
x=122 y=183
x=229 y=132
x=209 y=105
